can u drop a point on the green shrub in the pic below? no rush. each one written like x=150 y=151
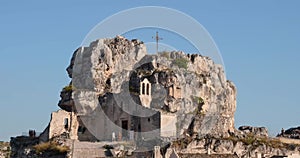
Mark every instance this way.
x=249 y=140
x=181 y=62
x=199 y=100
x=68 y=88
x=198 y=110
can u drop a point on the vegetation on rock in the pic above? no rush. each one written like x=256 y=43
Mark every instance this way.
x=52 y=147
x=68 y=88
x=255 y=141
x=199 y=100
x=181 y=62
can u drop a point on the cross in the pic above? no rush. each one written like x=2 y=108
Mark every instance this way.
x=157 y=38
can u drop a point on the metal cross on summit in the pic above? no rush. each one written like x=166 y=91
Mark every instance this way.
x=157 y=38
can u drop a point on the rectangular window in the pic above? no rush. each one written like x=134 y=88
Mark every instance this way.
x=66 y=123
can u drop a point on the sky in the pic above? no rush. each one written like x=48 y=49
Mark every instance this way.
x=258 y=40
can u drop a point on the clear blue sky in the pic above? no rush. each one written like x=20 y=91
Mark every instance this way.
x=259 y=42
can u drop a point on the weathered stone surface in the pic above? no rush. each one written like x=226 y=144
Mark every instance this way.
x=192 y=87
x=245 y=147
x=257 y=131
x=102 y=59
x=22 y=146
x=101 y=68
x=156 y=152
x=63 y=122
x=223 y=146
x=70 y=67
x=293 y=133
x=190 y=90
x=171 y=153
x=66 y=102
x=4 y=149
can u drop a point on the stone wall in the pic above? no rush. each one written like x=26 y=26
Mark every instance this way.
x=63 y=122
x=107 y=119
x=168 y=125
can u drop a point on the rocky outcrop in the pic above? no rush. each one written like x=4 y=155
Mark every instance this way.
x=66 y=102
x=117 y=76
x=293 y=133
x=100 y=66
x=25 y=147
x=257 y=131
x=191 y=86
x=22 y=146
x=236 y=146
x=4 y=150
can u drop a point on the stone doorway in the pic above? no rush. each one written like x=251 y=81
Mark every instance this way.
x=124 y=129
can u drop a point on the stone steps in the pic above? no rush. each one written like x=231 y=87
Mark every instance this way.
x=87 y=149
x=91 y=149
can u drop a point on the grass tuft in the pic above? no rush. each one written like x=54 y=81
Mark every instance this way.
x=68 y=88
x=51 y=146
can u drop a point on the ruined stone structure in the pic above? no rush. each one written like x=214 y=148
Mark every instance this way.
x=168 y=122
x=61 y=122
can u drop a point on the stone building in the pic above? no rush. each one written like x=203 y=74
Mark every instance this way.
x=119 y=124
x=61 y=122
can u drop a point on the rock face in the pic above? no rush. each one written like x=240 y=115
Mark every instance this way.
x=235 y=147
x=23 y=146
x=4 y=149
x=190 y=86
x=257 y=131
x=102 y=68
x=293 y=133
x=66 y=102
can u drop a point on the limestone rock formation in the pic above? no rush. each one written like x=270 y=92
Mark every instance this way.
x=4 y=149
x=23 y=146
x=233 y=146
x=66 y=102
x=185 y=99
x=258 y=131
x=191 y=86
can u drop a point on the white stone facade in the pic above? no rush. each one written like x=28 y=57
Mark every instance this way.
x=145 y=93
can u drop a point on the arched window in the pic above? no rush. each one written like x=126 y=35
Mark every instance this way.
x=148 y=89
